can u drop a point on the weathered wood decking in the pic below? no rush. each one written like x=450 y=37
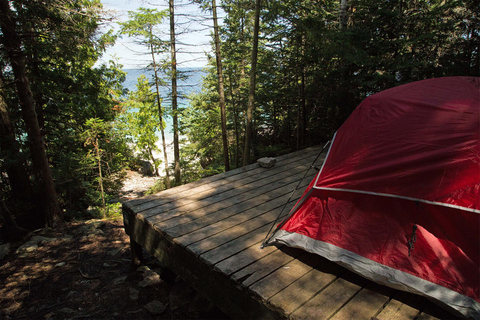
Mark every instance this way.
x=209 y=232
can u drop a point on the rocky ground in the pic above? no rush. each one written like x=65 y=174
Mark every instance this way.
x=136 y=184
x=83 y=271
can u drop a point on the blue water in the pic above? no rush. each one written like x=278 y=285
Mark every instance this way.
x=191 y=83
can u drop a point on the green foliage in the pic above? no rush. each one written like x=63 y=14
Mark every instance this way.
x=140 y=121
x=62 y=44
x=159 y=186
x=141 y=24
x=202 y=127
x=312 y=73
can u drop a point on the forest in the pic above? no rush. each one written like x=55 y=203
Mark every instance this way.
x=281 y=76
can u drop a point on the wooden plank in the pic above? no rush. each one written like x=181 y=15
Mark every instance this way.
x=305 y=288
x=328 y=301
x=432 y=311
x=227 y=204
x=265 y=266
x=210 y=233
x=235 y=260
x=179 y=189
x=366 y=304
x=227 y=218
x=234 y=240
x=402 y=306
x=248 y=186
x=218 y=185
x=214 y=285
x=284 y=275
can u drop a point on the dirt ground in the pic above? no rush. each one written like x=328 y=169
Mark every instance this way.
x=83 y=271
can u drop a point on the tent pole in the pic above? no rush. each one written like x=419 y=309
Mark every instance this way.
x=267 y=237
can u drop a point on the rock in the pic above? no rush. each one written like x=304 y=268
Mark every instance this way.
x=32 y=244
x=41 y=239
x=27 y=247
x=147 y=168
x=114 y=252
x=66 y=312
x=4 y=250
x=68 y=237
x=92 y=226
x=134 y=294
x=135 y=311
x=109 y=264
x=96 y=223
x=92 y=234
x=150 y=279
x=266 y=162
x=155 y=307
x=72 y=294
x=143 y=269
x=120 y=280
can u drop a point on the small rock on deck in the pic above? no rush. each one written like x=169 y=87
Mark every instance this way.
x=210 y=231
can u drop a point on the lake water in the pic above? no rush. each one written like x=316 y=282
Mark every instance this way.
x=191 y=83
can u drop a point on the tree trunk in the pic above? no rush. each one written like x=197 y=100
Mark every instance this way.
x=160 y=115
x=221 y=91
x=176 y=145
x=22 y=190
x=343 y=19
x=99 y=159
x=301 y=92
x=13 y=46
x=12 y=231
x=235 y=120
x=251 y=94
x=150 y=153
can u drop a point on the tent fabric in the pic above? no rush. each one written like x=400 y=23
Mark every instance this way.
x=397 y=199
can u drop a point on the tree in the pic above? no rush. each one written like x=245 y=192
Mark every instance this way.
x=141 y=25
x=95 y=129
x=12 y=163
x=221 y=91
x=173 y=53
x=141 y=120
x=13 y=45
x=251 y=94
x=60 y=45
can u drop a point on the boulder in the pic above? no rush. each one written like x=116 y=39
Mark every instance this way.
x=147 y=168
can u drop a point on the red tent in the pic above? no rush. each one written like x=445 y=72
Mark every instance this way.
x=398 y=197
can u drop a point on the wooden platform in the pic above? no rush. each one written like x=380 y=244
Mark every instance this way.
x=209 y=232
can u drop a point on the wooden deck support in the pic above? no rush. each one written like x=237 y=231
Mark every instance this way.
x=210 y=231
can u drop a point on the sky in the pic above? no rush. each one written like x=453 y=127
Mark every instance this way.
x=193 y=34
